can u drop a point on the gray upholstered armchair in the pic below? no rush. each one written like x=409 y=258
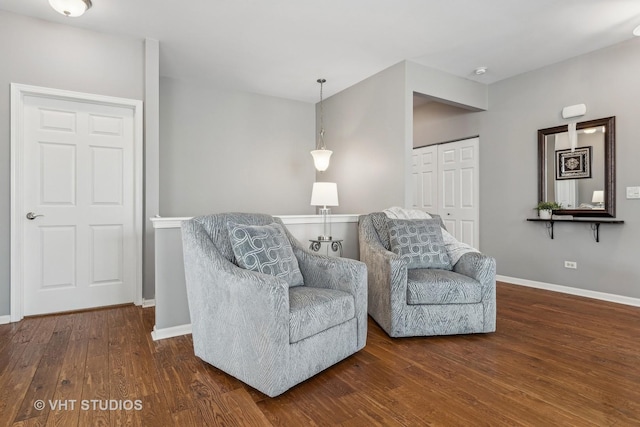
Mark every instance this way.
x=406 y=301
x=272 y=329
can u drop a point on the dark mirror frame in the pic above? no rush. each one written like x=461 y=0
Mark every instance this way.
x=609 y=167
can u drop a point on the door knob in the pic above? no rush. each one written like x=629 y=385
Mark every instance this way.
x=32 y=216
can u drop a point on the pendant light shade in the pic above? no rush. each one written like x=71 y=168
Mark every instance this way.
x=72 y=8
x=321 y=159
x=321 y=156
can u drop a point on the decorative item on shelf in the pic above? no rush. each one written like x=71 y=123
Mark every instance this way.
x=545 y=209
x=598 y=199
x=321 y=155
x=325 y=194
x=71 y=8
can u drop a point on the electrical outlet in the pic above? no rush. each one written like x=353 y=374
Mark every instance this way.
x=571 y=264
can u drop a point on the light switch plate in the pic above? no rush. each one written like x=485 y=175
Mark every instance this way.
x=633 y=192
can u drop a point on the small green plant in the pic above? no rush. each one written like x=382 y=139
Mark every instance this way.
x=551 y=206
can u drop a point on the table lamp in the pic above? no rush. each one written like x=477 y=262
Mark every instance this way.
x=325 y=194
x=598 y=199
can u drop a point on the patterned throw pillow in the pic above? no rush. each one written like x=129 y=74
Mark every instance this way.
x=420 y=242
x=266 y=249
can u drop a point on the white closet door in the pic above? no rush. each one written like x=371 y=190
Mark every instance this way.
x=458 y=188
x=424 y=176
x=445 y=181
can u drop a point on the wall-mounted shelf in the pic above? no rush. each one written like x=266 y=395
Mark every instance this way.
x=595 y=224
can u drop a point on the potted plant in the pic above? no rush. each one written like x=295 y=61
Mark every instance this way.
x=545 y=209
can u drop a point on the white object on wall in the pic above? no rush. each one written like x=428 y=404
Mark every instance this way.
x=574 y=111
x=633 y=192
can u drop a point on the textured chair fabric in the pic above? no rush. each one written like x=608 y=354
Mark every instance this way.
x=420 y=302
x=257 y=328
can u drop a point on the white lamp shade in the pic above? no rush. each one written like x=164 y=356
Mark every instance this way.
x=71 y=8
x=324 y=194
x=598 y=196
x=321 y=159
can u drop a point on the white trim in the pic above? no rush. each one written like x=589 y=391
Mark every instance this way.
x=160 y=222
x=620 y=299
x=18 y=92
x=5 y=319
x=317 y=219
x=174 y=222
x=146 y=303
x=174 y=331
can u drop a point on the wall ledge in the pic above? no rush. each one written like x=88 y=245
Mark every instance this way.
x=174 y=222
x=620 y=299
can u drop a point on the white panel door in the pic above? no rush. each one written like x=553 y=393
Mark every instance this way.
x=78 y=180
x=424 y=171
x=458 y=188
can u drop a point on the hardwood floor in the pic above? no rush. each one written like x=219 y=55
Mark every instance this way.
x=555 y=360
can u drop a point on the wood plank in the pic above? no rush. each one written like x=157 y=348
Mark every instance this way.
x=98 y=334
x=69 y=385
x=95 y=388
x=44 y=379
x=16 y=382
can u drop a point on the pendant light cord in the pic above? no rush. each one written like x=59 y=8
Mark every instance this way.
x=322 y=147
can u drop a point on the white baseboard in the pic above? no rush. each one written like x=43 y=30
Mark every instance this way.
x=5 y=319
x=146 y=303
x=174 y=331
x=620 y=299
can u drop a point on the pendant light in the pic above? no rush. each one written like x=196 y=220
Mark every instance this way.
x=321 y=155
x=71 y=8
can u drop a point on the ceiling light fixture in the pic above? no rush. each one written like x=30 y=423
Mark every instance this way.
x=636 y=31
x=321 y=155
x=71 y=8
x=480 y=71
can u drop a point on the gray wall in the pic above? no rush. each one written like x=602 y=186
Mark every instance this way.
x=226 y=150
x=364 y=127
x=435 y=122
x=606 y=81
x=42 y=53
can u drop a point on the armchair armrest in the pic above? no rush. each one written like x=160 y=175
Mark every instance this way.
x=344 y=274
x=478 y=266
x=482 y=268
x=387 y=276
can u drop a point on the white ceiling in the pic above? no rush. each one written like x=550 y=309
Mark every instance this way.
x=281 y=47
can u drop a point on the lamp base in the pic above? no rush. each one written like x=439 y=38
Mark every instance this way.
x=324 y=238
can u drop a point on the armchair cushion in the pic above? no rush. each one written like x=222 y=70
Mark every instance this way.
x=313 y=310
x=429 y=286
x=420 y=242
x=265 y=249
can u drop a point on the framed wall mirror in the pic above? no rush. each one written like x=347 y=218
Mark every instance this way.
x=581 y=176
